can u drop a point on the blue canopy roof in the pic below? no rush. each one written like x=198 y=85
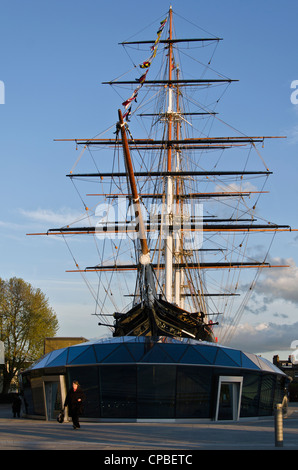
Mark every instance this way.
x=157 y=350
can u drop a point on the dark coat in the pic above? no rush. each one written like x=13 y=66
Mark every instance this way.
x=71 y=400
x=16 y=404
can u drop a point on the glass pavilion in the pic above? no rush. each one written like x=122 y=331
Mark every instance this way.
x=147 y=378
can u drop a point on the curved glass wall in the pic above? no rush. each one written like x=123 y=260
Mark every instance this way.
x=156 y=378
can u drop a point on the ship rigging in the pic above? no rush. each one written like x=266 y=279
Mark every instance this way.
x=176 y=210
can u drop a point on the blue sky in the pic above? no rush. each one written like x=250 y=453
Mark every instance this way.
x=54 y=56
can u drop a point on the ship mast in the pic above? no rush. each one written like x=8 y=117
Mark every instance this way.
x=169 y=179
x=145 y=257
x=149 y=291
x=178 y=242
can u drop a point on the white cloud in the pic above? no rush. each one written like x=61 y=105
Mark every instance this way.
x=275 y=297
x=246 y=186
x=292 y=134
x=10 y=225
x=264 y=337
x=61 y=217
x=280 y=283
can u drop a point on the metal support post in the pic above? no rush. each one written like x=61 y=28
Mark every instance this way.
x=278 y=421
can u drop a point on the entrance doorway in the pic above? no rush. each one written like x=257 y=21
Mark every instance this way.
x=228 y=398
x=54 y=395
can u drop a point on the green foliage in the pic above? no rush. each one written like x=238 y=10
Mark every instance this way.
x=26 y=319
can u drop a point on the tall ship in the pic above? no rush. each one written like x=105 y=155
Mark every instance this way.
x=176 y=208
x=168 y=245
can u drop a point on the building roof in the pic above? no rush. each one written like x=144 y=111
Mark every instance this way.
x=148 y=350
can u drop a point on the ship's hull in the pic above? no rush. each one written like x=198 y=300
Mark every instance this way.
x=162 y=319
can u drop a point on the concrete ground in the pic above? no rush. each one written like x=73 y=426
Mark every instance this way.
x=156 y=438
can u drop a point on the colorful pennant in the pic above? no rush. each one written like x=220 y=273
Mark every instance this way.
x=144 y=65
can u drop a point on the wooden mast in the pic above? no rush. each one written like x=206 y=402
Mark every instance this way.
x=145 y=259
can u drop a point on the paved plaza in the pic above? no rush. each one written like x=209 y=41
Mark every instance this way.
x=28 y=434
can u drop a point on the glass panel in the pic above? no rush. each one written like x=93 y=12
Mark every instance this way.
x=53 y=355
x=224 y=360
x=136 y=350
x=265 y=364
x=225 y=410
x=157 y=354
x=27 y=397
x=254 y=359
x=234 y=354
x=193 y=392
x=74 y=352
x=266 y=396
x=60 y=360
x=118 y=391
x=87 y=356
x=175 y=350
x=53 y=399
x=41 y=362
x=103 y=350
x=250 y=395
x=37 y=396
x=156 y=391
x=121 y=354
x=209 y=352
x=246 y=362
x=191 y=356
x=87 y=377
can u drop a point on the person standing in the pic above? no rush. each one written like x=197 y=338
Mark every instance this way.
x=74 y=400
x=16 y=406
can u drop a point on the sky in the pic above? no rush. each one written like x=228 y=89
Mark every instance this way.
x=54 y=54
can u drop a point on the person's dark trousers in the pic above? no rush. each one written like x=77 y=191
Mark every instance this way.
x=75 y=420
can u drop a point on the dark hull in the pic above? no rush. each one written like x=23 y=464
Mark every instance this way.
x=162 y=319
